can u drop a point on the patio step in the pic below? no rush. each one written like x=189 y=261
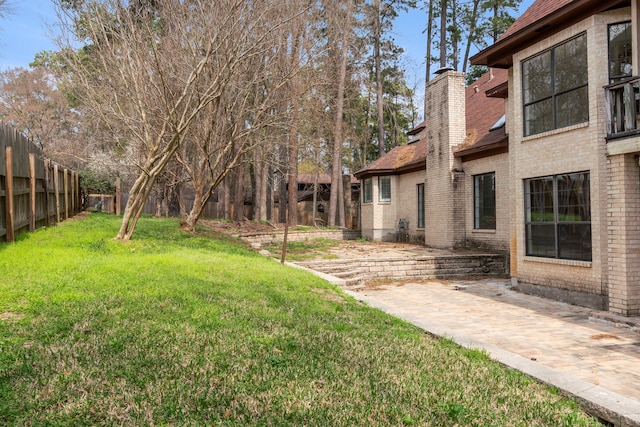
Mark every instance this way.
x=358 y=271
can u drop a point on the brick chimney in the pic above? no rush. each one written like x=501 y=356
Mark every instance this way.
x=444 y=187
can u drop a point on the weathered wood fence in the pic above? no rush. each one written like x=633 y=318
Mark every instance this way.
x=34 y=192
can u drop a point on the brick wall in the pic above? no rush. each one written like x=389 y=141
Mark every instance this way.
x=445 y=129
x=623 y=203
x=571 y=149
x=497 y=239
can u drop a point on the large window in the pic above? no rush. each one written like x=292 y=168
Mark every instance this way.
x=484 y=201
x=558 y=216
x=384 y=188
x=367 y=190
x=554 y=86
x=420 y=203
x=620 y=51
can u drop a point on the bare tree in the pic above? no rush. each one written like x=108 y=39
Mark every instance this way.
x=152 y=70
x=341 y=23
x=32 y=102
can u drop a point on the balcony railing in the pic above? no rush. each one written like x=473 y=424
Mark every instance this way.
x=622 y=103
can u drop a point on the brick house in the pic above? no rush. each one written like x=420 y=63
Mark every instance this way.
x=559 y=189
x=400 y=201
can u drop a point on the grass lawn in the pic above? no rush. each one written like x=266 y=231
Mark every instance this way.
x=174 y=328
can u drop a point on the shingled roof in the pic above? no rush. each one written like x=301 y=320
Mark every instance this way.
x=482 y=112
x=541 y=20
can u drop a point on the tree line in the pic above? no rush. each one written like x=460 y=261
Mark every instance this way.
x=234 y=99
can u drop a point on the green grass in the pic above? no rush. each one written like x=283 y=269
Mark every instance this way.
x=174 y=328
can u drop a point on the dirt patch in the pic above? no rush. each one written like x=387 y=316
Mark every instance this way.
x=10 y=316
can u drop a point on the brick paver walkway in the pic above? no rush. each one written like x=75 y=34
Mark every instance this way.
x=567 y=341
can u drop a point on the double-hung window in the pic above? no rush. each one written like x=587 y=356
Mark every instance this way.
x=555 y=87
x=367 y=190
x=484 y=201
x=420 y=203
x=558 y=216
x=384 y=188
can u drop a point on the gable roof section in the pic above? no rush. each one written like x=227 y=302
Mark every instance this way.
x=402 y=159
x=541 y=20
x=482 y=113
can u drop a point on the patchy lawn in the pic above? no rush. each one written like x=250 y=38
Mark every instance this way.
x=175 y=328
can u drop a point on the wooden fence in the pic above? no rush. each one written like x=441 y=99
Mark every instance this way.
x=34 y=192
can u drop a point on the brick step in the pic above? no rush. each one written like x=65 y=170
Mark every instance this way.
x=356 y=271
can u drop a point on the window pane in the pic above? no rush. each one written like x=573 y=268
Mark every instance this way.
x=620 y=64
x=384 y=188
x=537 y=78
x=573 y=107
x=570 y=61
x=574 y=241
x=420 y=202
x=540 y=200
x=574 y=203
x=367 y=192
x=538 y=117
x=541 y=240
x=485 y=201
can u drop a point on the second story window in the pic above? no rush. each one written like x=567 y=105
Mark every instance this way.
x=620 y=65
x=555 y=87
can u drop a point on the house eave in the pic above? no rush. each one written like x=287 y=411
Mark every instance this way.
x=411 y=167
x=500 y=54
x=473 y=153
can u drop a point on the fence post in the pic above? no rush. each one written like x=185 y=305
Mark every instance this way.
x=32 y=191
x=78 y=198
x=47 y=166
x=66 y=193
x=118 y=196
x=9 y=195
x=56 y=189
x=72 y=189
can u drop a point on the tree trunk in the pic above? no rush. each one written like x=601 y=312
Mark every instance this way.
x=376 y=55
x=427 y=58
x=336 y=170
x=293 y=133
x=471 y=34
x=238 y=194
x=443 y=33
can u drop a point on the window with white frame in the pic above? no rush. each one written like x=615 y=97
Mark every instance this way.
x=555 y=87
x=558 y=216
x=367 y=190
x=484 y=201
x=384 y=188
x=420 y=203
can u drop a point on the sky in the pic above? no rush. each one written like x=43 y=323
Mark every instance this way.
x=27 y=31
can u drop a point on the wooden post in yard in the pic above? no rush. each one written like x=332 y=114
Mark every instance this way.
x=47 y=165
x=73 y=192
x=32 y=192
x=78 y=198
x=118 y=195
x=56 y=189
x=66 y=193
x=9 y=196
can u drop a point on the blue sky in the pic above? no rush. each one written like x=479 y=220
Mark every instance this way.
x=25 y=33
